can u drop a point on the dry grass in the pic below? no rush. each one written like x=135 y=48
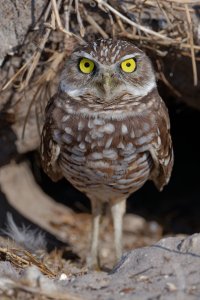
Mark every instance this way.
x=22 y=258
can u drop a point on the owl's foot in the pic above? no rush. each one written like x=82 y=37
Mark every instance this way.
x=93 y=263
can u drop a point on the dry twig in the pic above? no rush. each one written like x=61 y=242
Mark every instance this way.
x=138 y=26
x=23 y=259
x=92 y=22
x=194 y=66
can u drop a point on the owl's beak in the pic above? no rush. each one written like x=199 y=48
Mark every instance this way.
x=107 y=83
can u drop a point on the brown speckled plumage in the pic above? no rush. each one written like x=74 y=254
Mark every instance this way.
x=107 y=140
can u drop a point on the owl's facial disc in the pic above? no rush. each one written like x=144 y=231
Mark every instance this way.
x=106 y=70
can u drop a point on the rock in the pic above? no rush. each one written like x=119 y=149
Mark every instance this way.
x=134 y=224
x=190 y=245
x=166 y=270
x=16 y=18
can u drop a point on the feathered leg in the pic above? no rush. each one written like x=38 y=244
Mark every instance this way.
x=118 y=209
x=93 y=259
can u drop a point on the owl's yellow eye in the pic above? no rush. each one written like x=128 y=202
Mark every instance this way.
x=86 y=65
x=128 y=65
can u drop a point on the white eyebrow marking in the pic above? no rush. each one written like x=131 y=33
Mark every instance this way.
x=85 y=54
x=133 y=55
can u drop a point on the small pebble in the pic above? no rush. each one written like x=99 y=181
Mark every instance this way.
x=171 y=287
x=143 y=278
x=63 y=276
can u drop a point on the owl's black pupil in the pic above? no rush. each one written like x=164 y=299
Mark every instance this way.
x=87 y=64
x=128 y=64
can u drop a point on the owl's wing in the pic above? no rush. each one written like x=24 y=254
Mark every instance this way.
x=161 y=149
x=49 y=148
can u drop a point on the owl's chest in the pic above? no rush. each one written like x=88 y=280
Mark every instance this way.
x=96 y=138
x=103 y=149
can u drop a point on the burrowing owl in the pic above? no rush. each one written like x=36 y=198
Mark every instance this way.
x=107 y=130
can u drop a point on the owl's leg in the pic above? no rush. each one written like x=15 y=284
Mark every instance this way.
x=118 y=209
x=93 y=259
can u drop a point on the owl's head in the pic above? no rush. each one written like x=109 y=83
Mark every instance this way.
x=106 y=70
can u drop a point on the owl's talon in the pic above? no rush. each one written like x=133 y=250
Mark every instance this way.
x=93 y=263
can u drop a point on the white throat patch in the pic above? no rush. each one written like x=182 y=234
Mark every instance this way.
x=71 y=91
